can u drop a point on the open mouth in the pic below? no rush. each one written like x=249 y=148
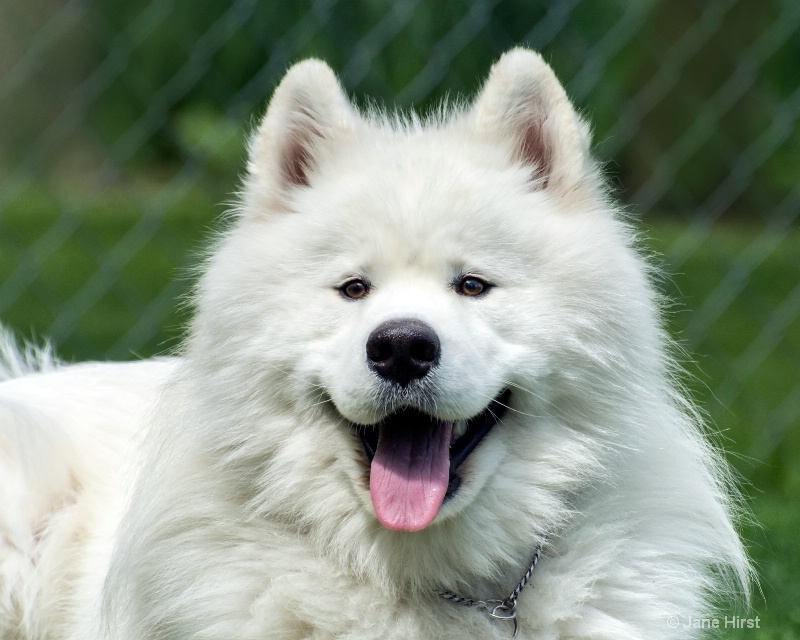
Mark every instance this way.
x=414 y=460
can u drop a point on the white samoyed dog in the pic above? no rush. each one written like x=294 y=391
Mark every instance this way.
x=426 y=393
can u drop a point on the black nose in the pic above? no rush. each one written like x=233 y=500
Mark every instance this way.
x=402 y=350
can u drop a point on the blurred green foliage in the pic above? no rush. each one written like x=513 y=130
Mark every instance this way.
x=718 y=72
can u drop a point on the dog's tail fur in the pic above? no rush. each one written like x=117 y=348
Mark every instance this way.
x=18 y=360
x=33 y=477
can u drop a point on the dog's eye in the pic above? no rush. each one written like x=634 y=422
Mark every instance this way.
x=472 y=286
x=354 y=289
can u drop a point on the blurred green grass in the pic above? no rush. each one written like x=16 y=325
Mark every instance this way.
x=152 y=274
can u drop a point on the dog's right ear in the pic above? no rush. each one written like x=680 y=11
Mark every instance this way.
x=307 y=111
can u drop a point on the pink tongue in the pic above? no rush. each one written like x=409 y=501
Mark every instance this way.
x=410 y=473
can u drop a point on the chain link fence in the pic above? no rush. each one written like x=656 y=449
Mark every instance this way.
x=122 y=125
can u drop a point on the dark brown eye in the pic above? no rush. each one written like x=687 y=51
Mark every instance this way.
x=354 y=289
x=472 y=286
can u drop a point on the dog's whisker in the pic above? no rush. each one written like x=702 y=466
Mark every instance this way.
x=320 y=402
x=294 y=376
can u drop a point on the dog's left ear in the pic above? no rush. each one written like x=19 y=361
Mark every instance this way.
x=308 y=112
x=524 y=104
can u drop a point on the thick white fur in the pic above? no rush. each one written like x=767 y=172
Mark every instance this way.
x=249 y=515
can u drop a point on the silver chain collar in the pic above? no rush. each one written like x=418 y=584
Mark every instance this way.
x=499 y=609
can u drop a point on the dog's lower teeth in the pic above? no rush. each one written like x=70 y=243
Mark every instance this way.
x=459 y=429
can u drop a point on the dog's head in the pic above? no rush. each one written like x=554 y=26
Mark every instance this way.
x=411 y=320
